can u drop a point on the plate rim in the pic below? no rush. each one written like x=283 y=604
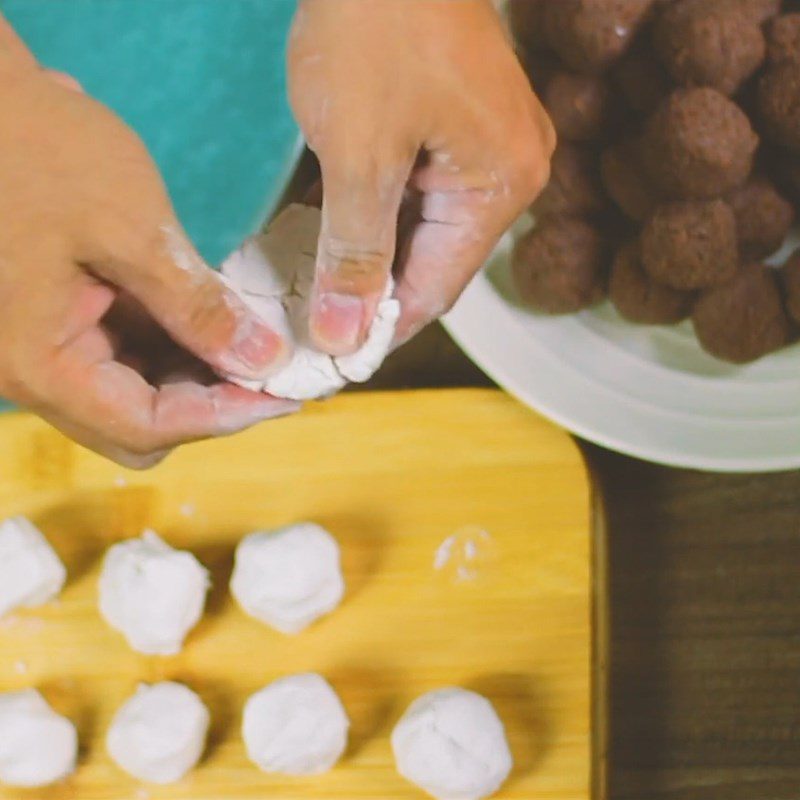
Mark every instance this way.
x=459 y=326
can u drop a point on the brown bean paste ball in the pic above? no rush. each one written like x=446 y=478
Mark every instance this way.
x=698 y=144
x=525 y=21
x=704 y=43
x=744 y=318
x=540 y=66
x=625 y=181
x=758 y=10
x=783 y=39
x=641 y=79
x=763 y=218
x=578 y=105
x=588 y=35
x=691 y=244
x=561 y=266
x=574 y=187
x=779 y=104
x=638 y=298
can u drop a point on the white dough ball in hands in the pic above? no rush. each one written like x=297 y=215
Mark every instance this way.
x=37 y=746
x=452 y=744
x=274 y=274
x=295 y=726
x=288 y=578
x=159 y=734
x=31 y=573
x=153 y=594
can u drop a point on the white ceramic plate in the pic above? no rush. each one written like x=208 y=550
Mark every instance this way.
x=650 y=392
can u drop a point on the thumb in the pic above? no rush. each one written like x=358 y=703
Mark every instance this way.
x=356 y=249
x=190 y=301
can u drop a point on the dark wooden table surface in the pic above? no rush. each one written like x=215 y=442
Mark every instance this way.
x=704 y=582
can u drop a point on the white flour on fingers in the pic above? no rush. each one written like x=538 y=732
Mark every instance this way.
x=274 y=274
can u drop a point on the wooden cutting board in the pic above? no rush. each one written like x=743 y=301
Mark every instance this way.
x=394 y=477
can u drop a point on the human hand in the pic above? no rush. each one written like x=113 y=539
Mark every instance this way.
x=111 y=319
x=418 y=104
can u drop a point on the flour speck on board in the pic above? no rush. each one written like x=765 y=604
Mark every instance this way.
x=120 y=481
x=464 y=554
x=443 y=553
x=465 y=574
x=188 y=510
x=141 y=794
x=21 y=667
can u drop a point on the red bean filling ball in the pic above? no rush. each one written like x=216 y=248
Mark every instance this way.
x=638 y=298
x=743 y=319
x=561 y=266
x=691 y=244
x=704 y=43
x=588 y=35
x=698 y=144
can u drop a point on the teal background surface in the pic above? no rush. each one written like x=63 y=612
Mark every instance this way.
x=203 y=83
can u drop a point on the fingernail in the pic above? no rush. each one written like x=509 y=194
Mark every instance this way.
x=255 y=348
x=237 y=419
x=337 y=321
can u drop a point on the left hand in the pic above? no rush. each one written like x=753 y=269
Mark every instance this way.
x=419 y=103
x=113 y=327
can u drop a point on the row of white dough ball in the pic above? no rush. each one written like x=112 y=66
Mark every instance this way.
x=154 y=595
x=450 y=742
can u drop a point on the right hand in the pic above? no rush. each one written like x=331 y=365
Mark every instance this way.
x=419 y=111
x=107 y=307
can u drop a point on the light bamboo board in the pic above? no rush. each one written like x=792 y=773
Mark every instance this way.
x=392 y=476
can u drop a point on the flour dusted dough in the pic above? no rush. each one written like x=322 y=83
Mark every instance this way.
x=152 y=593
x=30 y=571
x=452 y=744
x=289 y=577
x=295 y=726
x=37 y=746
x=274 y=274
x=159 y=734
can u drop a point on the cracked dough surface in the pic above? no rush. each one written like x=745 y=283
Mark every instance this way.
x=273 y=272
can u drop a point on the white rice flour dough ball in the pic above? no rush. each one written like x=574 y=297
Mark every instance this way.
x=159 y=734
x=295 y=726
x=452 y=744
x=30 y=571
x=154 y=595
x=274 y=273
x=37 y=746
x=289 y=577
